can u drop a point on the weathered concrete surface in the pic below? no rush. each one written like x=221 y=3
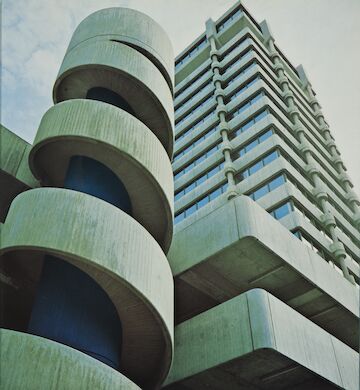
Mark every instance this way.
x=116 y=251
x=15 y=175
x=34 y=363
x=256 y=341
x=124 y=70
x=121 y=142
x=133 y=28
x=239 y=246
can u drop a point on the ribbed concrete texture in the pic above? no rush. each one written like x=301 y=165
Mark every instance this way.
x=256 y=341
x=106 y=226
x=233 y=249
x=262 y=266
x=33 y=363
x=124 y=70
x=123 y=143
x=132 y=28
x=15 y=175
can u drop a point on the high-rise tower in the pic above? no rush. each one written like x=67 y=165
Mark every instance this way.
x=266 y=248
x=83 y=256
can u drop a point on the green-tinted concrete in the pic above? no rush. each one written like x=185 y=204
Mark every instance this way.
x=33 y=363
x=118 y=140
x=15 y=175
x=112 y=248
x=239 y=246
x=256 y=341
x=133 y=28
x=125 y=71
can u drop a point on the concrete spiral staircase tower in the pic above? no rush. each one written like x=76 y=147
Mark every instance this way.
x=92 y=241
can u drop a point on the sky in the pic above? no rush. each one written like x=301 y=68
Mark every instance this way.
x=323 y=35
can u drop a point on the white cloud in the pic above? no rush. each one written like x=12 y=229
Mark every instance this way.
x=321 y=34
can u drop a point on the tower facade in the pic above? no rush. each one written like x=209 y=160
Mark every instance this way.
x=266 y=247
x=84 y=254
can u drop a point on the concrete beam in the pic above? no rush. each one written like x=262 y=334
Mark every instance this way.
x=238 y=246
x=256 y=341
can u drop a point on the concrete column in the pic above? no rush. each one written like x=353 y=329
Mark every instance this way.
x=226 y=147
x=320 y=192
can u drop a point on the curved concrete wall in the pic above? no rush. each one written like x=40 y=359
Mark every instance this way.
x=132 y=28
x=108 y=142
x=116 y=251
x=123 y=144
x=70 y=369
x=125 y=71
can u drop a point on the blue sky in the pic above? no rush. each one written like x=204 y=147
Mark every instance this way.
x=323 y=35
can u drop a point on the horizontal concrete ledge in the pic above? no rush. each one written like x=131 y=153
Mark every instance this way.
x=132 y=27
x=115 y=250
x=118 y=140
x=33 y=363
x=123 y=70
x=256 y=341
x=15 y=175
x=239 y=246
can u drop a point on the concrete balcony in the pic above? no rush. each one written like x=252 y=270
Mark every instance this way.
x=239 y=246
x=255 y=341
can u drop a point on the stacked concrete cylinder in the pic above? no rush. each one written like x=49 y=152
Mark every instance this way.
x=103 y=153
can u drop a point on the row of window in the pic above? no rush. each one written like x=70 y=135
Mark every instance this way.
x=252 y=144
x=200 y=75
x=214 y=170
x=242 y=175
x=199 y=106
x=243 y=88
x=291 y=206
x=201 y=203
x=290 y=144
x=199 y=160
x=229 y=20
x=310 y=243
x=196 y=94
x=268 y=187
x=245 y=70
x=237 y=62
x=244 y=39
x=195 y=109
x=314 y=203
x=330 y=200
x=258 y=165
x=313 y=245
x=191 y=53
x=282 y=210
x=211 y=131
x=206 y=70
x=245 y=106
x=322 y=163
x=233 y=96
x=200 y=121
x=246 y=126
x=196 y=124
x=308 y=217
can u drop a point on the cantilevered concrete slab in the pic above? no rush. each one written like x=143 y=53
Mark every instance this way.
x=15 y=175
x=255 y=341
x=239 y=246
